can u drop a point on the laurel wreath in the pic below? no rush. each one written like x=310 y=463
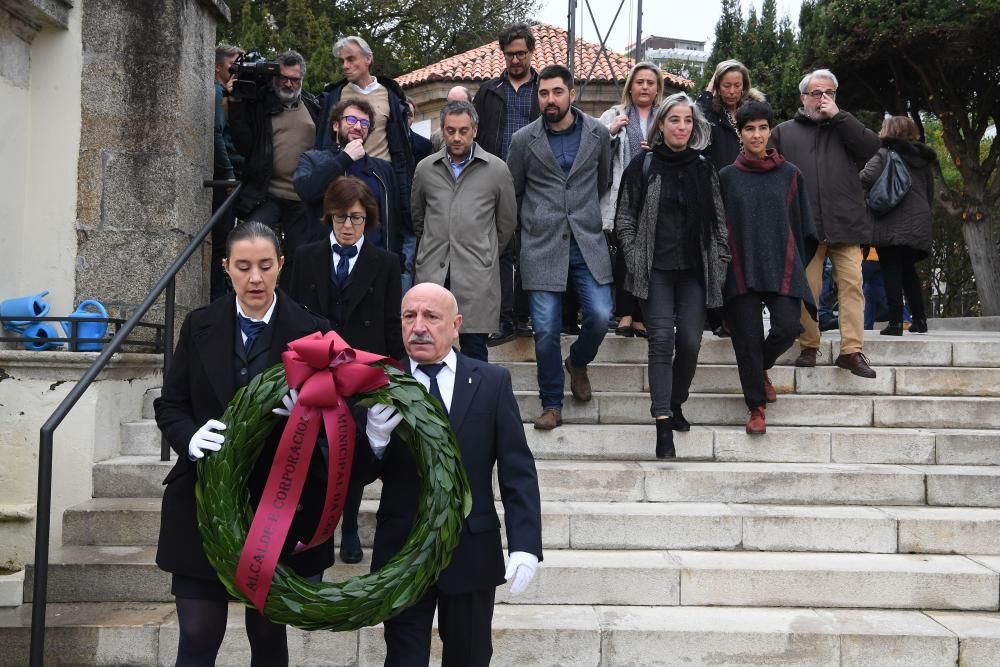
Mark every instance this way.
x=224 y=512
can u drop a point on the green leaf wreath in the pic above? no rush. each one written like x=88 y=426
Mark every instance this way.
x=224 y=512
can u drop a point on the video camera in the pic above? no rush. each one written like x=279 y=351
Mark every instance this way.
x=253 y=74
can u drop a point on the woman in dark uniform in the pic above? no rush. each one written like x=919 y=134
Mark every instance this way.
x=356 y=285
x=220 y=348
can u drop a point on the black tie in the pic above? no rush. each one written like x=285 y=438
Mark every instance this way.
x=344 y=264
x=431 y=370
x=251 y=329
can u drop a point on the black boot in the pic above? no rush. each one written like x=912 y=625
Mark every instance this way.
x=664 y=440
x=678 y=420
x=918 y=325
x=894 y=329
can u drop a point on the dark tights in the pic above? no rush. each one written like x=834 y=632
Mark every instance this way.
x=203 y=625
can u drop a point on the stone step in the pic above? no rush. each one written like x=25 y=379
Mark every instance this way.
x=724 y=379
x=790 y=410
x=981 y=350
x=683 y=481
x=553 y=635
x=140 y=438
x=658 y=578
x=623 y=526
x=147 y=402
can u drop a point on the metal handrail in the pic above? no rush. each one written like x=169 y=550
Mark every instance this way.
x=44 y=501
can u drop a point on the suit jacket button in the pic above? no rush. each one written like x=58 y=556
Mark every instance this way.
x=565 y=236
x=243 y=371
x=442 y=265
x=298 y=508
x=368 y=323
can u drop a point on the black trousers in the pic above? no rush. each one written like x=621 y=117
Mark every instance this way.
x=675 y=314
x=464 y=625
x=513 y=300
x=293 y=224
x=474 y=345
x=754 y=353
x=899 y=273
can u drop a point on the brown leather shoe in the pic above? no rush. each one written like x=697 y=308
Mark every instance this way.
x=807 y=357
x=769 y=393
x=857 y=363
x=549 y=419
x=579 y=383
x=756 y=422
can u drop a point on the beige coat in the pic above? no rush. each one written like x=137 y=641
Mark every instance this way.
x=461 y=227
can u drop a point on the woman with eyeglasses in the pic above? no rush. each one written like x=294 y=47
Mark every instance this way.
x=672 y=230
x=356 y=285
x=629 y=124
x=221 y=347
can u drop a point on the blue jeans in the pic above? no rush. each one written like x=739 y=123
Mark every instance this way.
x=409 y=254
x=546 y=317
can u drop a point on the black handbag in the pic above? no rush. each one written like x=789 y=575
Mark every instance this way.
x=891 y=185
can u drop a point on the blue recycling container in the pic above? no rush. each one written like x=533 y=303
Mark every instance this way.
x=95 y=330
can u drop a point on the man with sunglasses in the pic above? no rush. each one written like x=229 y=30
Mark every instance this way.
x=272 y=131
x=351 y=124
x=830 y=147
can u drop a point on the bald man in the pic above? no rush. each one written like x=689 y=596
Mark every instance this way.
x=480 y=404
x=456 y=94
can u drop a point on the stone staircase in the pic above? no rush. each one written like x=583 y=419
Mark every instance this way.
x=862 y=529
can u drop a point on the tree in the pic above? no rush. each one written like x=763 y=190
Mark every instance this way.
x=404 y=34
x=913 y=56
x=728 y=34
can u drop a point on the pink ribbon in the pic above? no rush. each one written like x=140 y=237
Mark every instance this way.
x=324 y=369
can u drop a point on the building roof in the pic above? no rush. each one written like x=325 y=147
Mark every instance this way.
x=487 y=62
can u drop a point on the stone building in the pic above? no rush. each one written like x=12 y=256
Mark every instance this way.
x=599 y=76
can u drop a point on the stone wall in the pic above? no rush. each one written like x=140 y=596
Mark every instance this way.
x=145 y=147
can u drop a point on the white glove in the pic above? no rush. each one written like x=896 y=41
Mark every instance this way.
x=204 y=440
x=289 y=399
x=382 y=419
x=521 y=567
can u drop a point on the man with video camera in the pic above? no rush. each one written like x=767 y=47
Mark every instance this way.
x=273 y=121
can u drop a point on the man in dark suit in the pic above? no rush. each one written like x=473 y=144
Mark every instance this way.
x=480 y=404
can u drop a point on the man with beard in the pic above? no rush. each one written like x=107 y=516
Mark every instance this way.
x=272 y=131
x=351 y=124
x=561 y=165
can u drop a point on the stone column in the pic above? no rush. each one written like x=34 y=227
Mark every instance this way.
x=145 y=147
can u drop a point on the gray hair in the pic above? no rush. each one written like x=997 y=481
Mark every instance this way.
x=457 y=108
x=356 y=41
x=292 y=58
x=817 y=74
x=223 y=51
x=701 y=133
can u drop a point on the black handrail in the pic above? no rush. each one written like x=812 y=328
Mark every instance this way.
x=44 y=502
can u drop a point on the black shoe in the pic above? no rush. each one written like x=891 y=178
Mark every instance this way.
x=524 y=330
x=664 y=440
x=350 y=548
x=894 y=329
x=677 y=422
x=721 y=331
x=571 y=329
x=504 y=335
x=918 y=325
x=829 y=324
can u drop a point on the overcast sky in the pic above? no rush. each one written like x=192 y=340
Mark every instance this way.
x=687 y=19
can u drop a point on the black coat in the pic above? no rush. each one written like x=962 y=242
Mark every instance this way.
x=367 y=316
x=488 y=428
x=492 y=109
x=204 y=376
x=909 y=223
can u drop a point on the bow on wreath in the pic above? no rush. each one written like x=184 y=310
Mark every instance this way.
x=325 y=370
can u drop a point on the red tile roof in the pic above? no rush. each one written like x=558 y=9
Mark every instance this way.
x=487 y=62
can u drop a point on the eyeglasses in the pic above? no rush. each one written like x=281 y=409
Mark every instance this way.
x=354 y=120
x=516 y=55
x=354 y=219
x=816 y=94
x=289 y=79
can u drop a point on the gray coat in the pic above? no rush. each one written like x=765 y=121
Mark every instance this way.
x=909 y=223
x=552 y=205
x=461 y=227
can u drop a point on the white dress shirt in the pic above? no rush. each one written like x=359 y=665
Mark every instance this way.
x=445 y=378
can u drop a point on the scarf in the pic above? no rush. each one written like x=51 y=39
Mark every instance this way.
x=633 y=131
x=772 y=160
x=689 y=176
